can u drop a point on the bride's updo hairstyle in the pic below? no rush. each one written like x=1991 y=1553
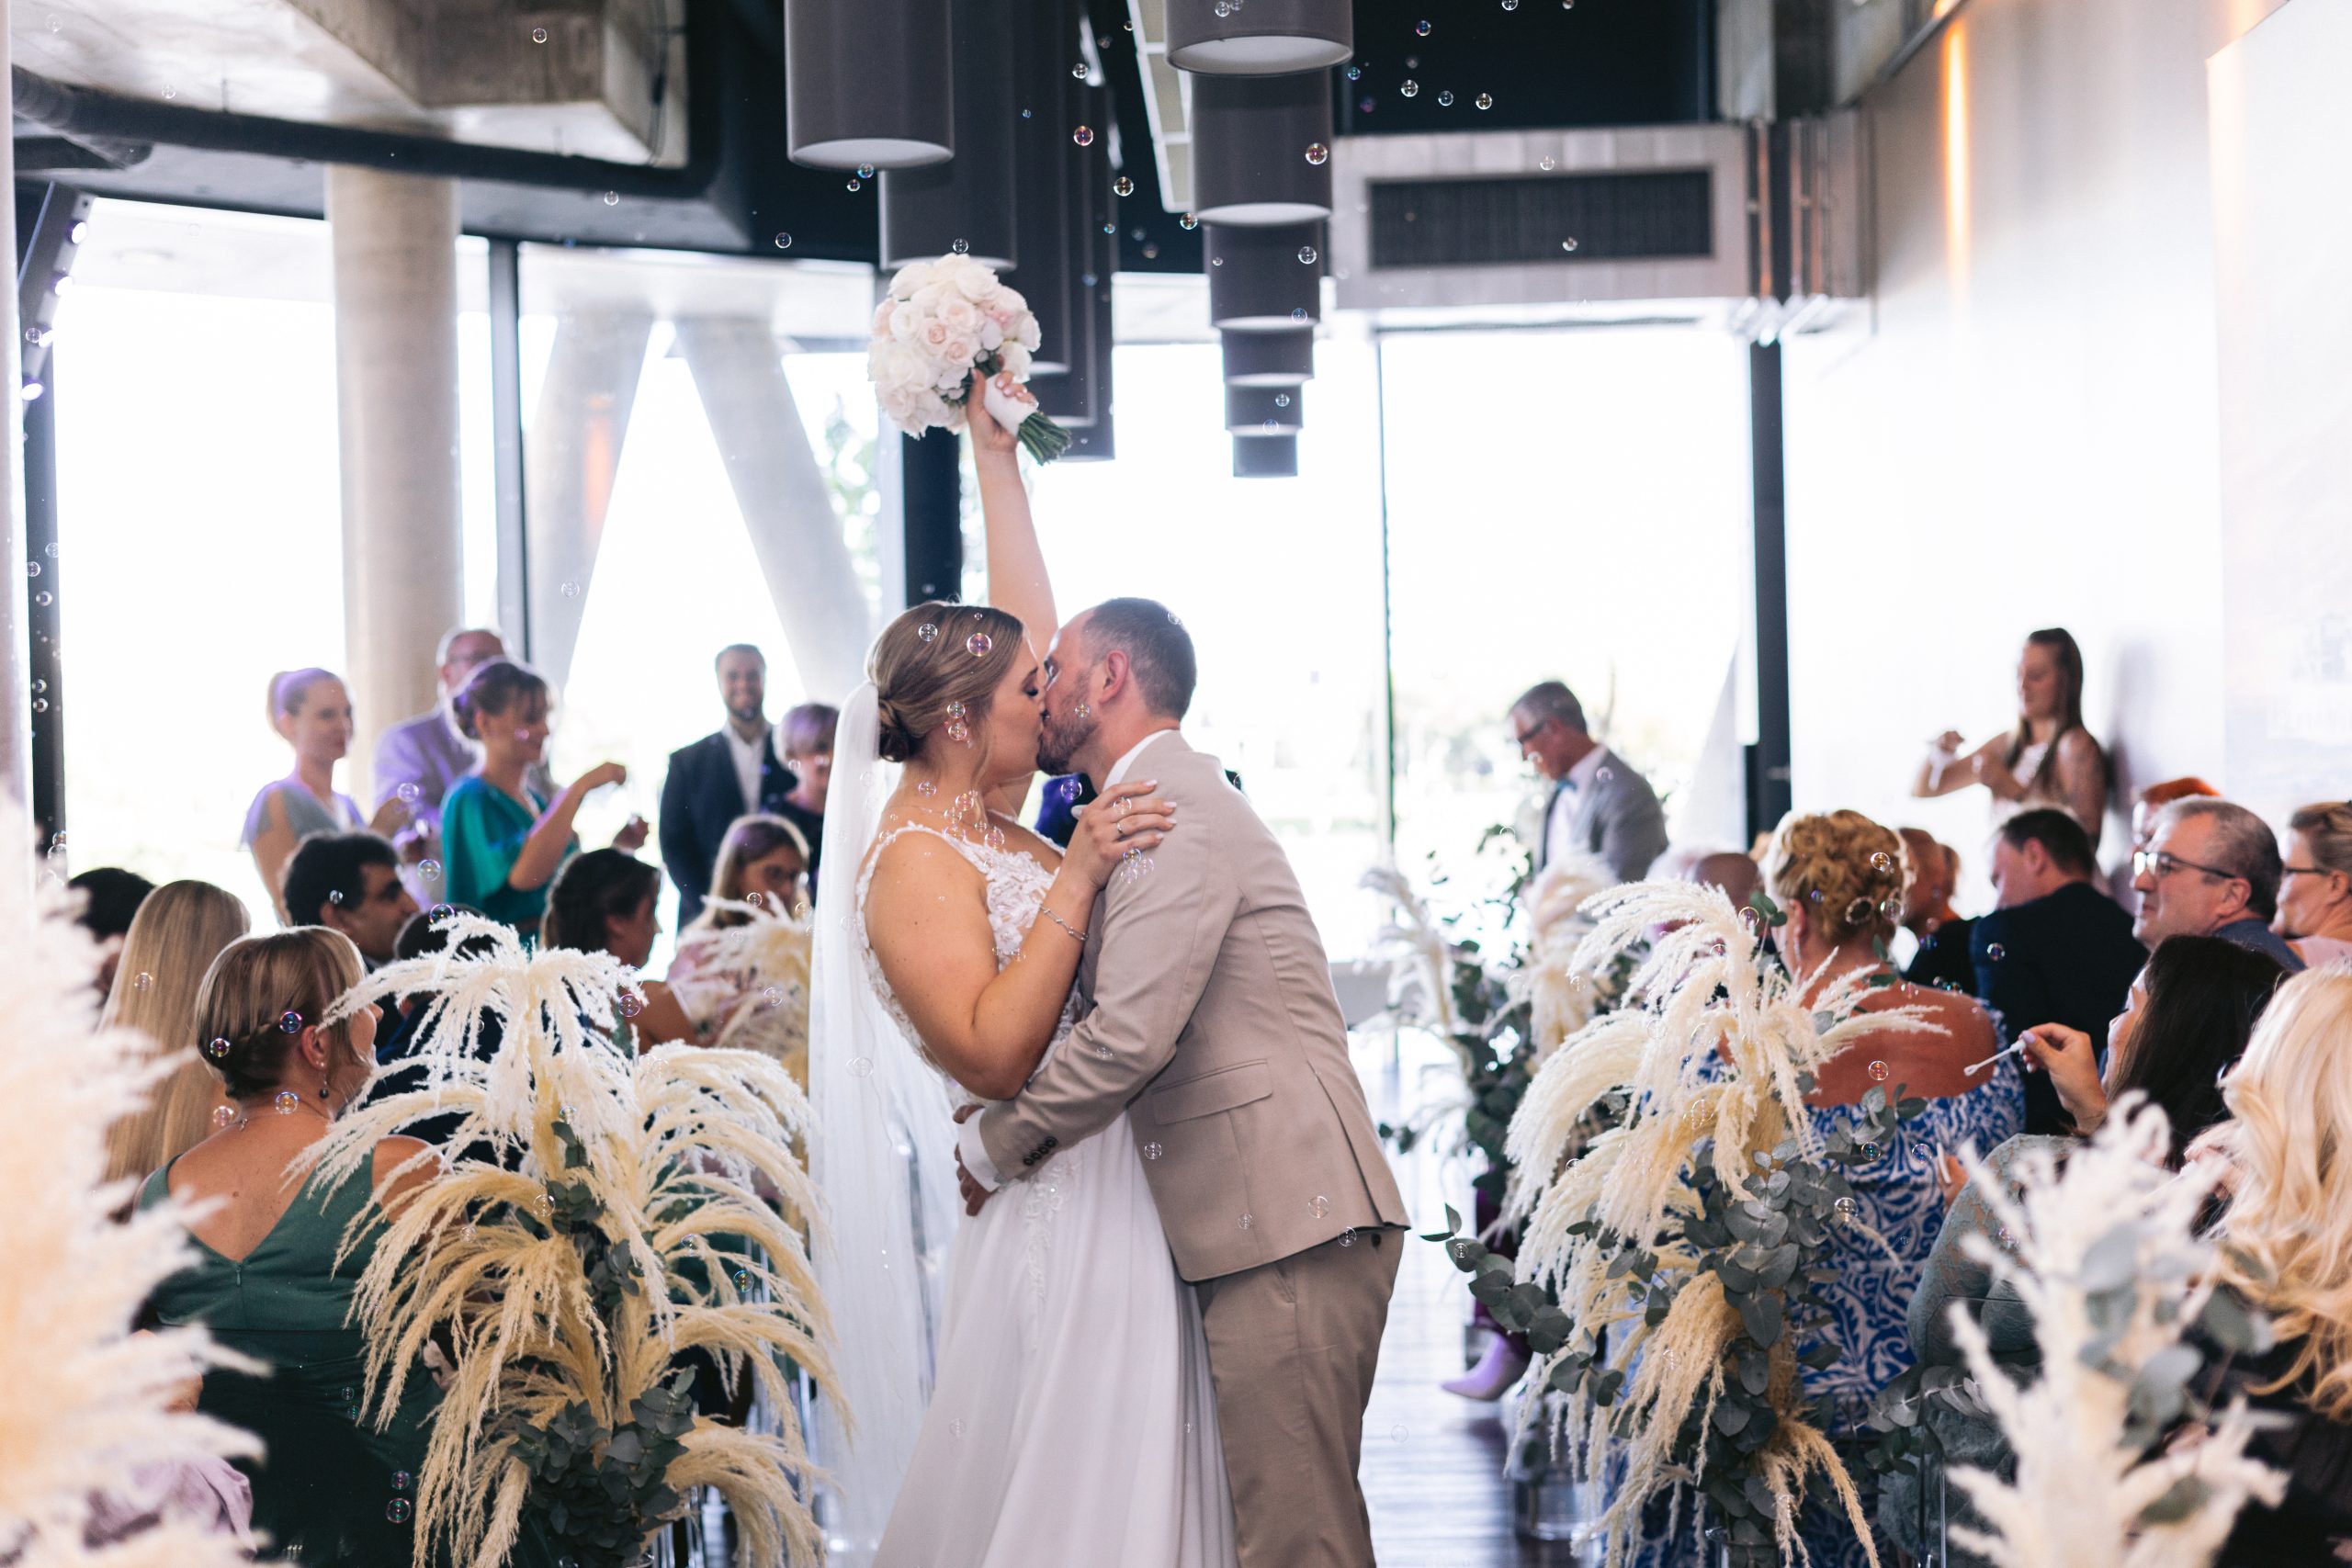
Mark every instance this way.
x=933 y=658
x=1844 y=869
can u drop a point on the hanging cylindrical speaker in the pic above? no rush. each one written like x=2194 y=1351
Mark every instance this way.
x=1268 y=359
x=1265 y=456
x=1263 y=38
x=1098 y=442
x=1265 y=279
x=869 y=82
x=1261 y=148
x=1045 y=236
x=1080 y=396
x=966 y=204
x=1264 y=410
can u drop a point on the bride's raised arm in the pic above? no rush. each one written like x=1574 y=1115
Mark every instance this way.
x=1018 y=583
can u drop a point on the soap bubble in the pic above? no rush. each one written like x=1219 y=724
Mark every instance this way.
x=399 y=1510
x=1189 y=222
x=408 y=792
x=1843 y=1211
x=1318 y=155
x=1569 y=243
x=1083 y=136
x=865 y=171
x=783 y=242
x=290 y=1022
x=1152 y=1150
x=961 y=247
x=224 y=1117
x=1123 y=185
x=927 y=632
x=856 y=184
x=538 y=35
x=141 y=980
x=1409 y=87
x=1485 y=100
x=429 y=869
x=612 y=199
x=862 y=1067
x=570 y=589
x=1445 y=100
x=1878 y=1072
x=1320 y=1207
x=978 y=644
x=1422 y=29
x=1996 y=952
x=1248 y=1220
x=286 y=1102
x=1307 y=256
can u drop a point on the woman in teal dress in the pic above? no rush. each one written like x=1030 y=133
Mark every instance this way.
x=501 y=842
x=332 y=1485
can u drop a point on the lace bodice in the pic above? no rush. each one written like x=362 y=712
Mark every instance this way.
x=1016 y=891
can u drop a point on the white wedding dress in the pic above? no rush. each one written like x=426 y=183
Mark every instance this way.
x=1071 y=1421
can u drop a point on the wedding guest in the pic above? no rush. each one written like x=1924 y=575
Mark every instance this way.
x=423 y=933
x=2049 y=759
x=1598 y=805
x=350 y=883
x=110 y=899
x=762 y=860
x=177 y=933
x=807 y=734
x=1836 y=876
x=2285 y=1236
x=2144 y=807
x=2315 y=883
x=502 y=840
x=727 y=774
x=603 y=902
x=312 y=711
x=2056 y=951
x=2212 y=868
x=1930 y=876
x=1735 y=876
x=430 y=752
x=273 y=1275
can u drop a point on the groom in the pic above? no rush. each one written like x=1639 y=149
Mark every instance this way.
x=1209 y=1021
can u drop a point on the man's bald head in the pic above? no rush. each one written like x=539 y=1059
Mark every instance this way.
x=1734 y=872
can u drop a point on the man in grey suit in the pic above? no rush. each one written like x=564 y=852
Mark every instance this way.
x=1208 y=1020
x=1599 y=806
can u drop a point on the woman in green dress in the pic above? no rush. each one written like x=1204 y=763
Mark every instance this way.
x=502 y=843
x=333 y=1485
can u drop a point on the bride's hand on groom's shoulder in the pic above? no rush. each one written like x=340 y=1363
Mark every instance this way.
x=1127 y=817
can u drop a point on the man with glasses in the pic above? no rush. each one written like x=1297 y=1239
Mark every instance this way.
x=2211 y=869
x=1599 y=806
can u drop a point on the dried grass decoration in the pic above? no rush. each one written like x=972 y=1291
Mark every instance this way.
x=606 y=1220
x=769 y=952
x=1665 y=1268
x=2105 y=1254
x=86 y=1404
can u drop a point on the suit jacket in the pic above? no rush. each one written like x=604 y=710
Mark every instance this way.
x=1208 y=1020
x=2068 y=957
x=702 y=797
x=1618 y=817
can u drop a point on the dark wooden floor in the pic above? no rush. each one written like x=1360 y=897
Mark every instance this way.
x=1433 y=1463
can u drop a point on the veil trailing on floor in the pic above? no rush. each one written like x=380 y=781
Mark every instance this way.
x=882 y=1150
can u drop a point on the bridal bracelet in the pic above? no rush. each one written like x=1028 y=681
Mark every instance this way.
x=1073 y=930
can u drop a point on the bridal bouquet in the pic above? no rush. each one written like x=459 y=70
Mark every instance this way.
x=941 y=323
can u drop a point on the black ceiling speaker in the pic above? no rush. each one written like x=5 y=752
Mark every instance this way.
x=1261 y=37
x=1268 y=358
x=1098 y=442
x=1047 y=238
x=1261 y=148
x=967 y=203
x=1264 y=410
x=1265 y=279
x=1265 y=456
x=1080 y=396
x=869 y=82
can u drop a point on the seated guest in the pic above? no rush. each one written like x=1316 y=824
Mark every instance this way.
x=1736 y=876
x=2188 y=1020
x=312 y=711
x=1836 y=876
x=177 y=933
x=274 y=1276
x=350 y=883
x=2049 y=759
x=808 y=737
x=430 y=752
x=422 y=934
x=603 y=902
x=1598 y=805
x=762 y=860
x=2315 y=884
x=2211 y=869
x=1930 y=875
x=2144 y=807
x=2285 y=1237
x=2056 y=949
x=110 y=898
x=732 y=772
x=502 y=842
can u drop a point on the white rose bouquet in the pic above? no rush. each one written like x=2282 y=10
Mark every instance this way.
x=940 y=322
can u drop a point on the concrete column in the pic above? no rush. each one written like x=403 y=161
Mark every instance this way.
x=571 y=456
x=396 y=381
x=15 y=713
x=738 y=368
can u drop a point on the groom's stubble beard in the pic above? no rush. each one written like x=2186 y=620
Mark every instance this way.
x=1059 y=739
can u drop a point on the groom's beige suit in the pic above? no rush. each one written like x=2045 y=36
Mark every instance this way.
x=1208 y=1020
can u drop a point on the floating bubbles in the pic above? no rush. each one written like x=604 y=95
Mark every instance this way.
x=1878 y=1072
x=1569 y=243
x=612 y=199
x=1082 y=710
x=439 y=912
x=407 y=792
x=978 y=644
x=1101 y=1051
x=1189 y=221
x=865 y=171
x=403 y=1482
x=1356 y=72
x=926 y=789
x=141 y=980
x=400 y=1510
x=1868 y=1151
x=1248 y=1220
x=1135 y=865
x=783 y=242
x=286 y=1102
x=224 y=1118
x=1318 y=155
x=430 y=869
x=1320 y=1207
x=1445 y=99
x=956 y=1428
x=41 y=705
x=1996 y=952
x=1843 y=1211
x=1485 y=100
x=856 y=184
x=927 y=632
x=1396 y=1433
x=1510 y=5
x=32 y=569
x=631 y=1004
x=961 y=247
x=1307 y=256
x=290 y=1022
x=569 y=591
x=538 y=35
x=44 y=598
x=1348 y=1236
x=1083 y=136
x=1881 y=861
x=1422 y=28
x=863 y=1068
x=1281 y=400
x=1892 y=909
x=743 y=1278
x=1152 y=1150
x=1547 y=163
x=1078 y=72
x=1123 y=186
x=1365 y=105
x=218 y=1048
x=1409 y=87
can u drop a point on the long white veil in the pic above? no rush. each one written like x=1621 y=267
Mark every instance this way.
x=882 y=1151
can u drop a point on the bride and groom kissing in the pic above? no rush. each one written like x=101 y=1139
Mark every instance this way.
x=1174 y=1235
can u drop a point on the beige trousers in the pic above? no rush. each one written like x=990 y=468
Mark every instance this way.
x=1293 y=1346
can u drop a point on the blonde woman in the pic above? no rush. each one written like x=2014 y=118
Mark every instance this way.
x=172 y=940
x=2287 y=1249
x=2315 y=884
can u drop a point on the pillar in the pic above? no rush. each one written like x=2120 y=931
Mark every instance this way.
x=396 y=381
x=572 y=455
x=15 y=712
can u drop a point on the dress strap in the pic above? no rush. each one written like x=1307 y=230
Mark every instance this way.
x=874 y=857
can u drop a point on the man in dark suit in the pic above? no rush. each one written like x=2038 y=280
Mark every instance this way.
x=2057 y=950
x=1599 y=805
x=728 y=774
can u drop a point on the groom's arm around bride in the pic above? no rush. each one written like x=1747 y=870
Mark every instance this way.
x=1210 y=1021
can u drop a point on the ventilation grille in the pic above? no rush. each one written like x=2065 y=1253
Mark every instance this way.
x=1647 y=215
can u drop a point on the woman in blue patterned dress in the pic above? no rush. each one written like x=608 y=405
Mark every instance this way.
x=1839 y=877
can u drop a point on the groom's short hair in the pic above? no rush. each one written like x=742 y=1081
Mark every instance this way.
x=1158 y=649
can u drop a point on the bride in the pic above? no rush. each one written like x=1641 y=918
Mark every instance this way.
x=1054 y=1408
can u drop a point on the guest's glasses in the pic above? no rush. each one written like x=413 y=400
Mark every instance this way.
x=1530 y=732
x=2161 y=863
x=2303 y=871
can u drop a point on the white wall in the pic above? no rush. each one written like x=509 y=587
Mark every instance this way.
x=2022 y=429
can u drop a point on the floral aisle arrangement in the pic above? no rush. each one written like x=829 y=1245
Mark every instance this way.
x=769 y=953
x=606 y=1220
x=2105 y=1254
x=89 y=1427
x=1665 y=1265
x=941 y=325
